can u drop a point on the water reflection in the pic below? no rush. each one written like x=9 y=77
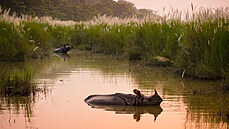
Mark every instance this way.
x=135 y=110
x=209 y=109
x=188 y=103
x=62 y=55
x=203 y=101
x=18 y=105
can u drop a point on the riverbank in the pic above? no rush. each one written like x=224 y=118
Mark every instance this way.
x=197 y=46
x=23 y=39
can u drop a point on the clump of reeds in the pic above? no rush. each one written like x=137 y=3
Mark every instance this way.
x=24 y=37
x=197 y=43
x=16 y=83
x=13 y=44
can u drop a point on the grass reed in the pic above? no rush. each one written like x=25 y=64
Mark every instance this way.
x=22 y=38
x=17 y=83
x=196 y=42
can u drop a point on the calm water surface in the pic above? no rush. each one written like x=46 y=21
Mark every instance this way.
x=187 y=103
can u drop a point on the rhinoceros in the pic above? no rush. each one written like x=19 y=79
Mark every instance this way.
x=136 y=99
x=63 y=49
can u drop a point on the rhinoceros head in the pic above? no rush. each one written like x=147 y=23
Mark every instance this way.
x=66 y=48
x=142 y=100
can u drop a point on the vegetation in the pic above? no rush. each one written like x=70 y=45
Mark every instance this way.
x=73 y=9
x=24 y=38
x=13 y=45
x=196 y=45
x=16 y=83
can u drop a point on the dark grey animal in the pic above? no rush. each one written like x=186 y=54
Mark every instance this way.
x=63 y=49
x=125 y=99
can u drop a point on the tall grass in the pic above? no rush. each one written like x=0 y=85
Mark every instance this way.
x=205 y=47
x=22 y=38
x=197 y=44
x=12 y=42
x=16 y=83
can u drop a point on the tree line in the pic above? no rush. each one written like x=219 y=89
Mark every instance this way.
x=76 y=10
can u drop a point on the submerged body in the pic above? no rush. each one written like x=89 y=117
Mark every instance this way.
x=125 y=99
x=63 y=49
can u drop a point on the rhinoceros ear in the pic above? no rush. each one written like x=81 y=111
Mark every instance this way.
x=155 y=91
x=137 y=92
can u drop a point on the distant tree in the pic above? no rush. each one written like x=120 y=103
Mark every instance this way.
x=15 y=5
x=73 y=9
x=144 y=12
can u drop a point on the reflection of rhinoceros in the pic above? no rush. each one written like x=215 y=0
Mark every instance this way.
x=62 y=55
x=125 y=99
x=136 y=110
x=62 y=49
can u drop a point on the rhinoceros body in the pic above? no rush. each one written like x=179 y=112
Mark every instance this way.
x=63 y=49
x=125 y=99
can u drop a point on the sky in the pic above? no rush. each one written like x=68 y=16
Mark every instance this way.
x=178 y=4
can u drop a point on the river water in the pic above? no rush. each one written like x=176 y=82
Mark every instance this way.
x=66 y=82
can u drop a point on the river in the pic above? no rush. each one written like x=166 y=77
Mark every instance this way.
x=66 y=82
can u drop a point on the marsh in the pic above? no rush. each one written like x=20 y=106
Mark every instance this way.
x=186 y=102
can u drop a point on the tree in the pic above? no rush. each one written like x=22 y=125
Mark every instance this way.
x=73 y=9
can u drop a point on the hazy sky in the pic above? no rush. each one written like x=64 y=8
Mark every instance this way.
x=179 y=4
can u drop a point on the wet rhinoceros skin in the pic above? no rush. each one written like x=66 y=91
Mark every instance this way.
x=63 y=49
x=125 y=99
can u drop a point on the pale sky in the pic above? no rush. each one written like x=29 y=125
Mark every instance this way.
x=178 y=4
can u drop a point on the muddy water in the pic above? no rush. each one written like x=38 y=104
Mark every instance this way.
x=68 y=81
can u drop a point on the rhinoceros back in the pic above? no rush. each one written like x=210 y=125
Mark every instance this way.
x=63 y=49
x=112 y=99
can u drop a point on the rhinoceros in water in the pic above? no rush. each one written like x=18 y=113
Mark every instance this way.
x=63 y=49
x=136 y=99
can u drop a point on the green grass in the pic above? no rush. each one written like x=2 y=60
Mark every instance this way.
x=31 y=39
x=16 y=83
x=23 y=38
x=200 y=48
x=205 y=48
x=13 y=44
x=196 y=46
x=37 y=36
